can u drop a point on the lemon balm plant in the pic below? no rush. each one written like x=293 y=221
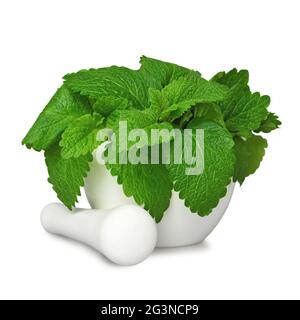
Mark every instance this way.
x=159 y=95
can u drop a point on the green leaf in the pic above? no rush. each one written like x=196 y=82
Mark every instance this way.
x=157 y=74
x=242 y=109
x=248 y=112
x=211 y=112
x=63 y=108
x=185 y=118
x=249 y=153
x=271 y=123
x=145 y=120
x=148 y=184
x=106 y=105
x=233 y=78
x=165 y=129
x=112 y=121
x=202 y=192
x=112 y=109
x=177 y=97
x=137 y=119
x=66 y=175
x=80 y=136
x=112 y=82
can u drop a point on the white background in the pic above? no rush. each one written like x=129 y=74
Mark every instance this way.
x=255 y=250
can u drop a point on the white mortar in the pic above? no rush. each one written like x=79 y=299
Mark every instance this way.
x=179 y=227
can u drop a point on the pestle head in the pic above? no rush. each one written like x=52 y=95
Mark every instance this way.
x=128 y=235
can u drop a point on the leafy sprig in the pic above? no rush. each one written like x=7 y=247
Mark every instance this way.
x=158 y=95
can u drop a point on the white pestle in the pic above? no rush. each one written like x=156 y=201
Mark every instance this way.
x=126 y=234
